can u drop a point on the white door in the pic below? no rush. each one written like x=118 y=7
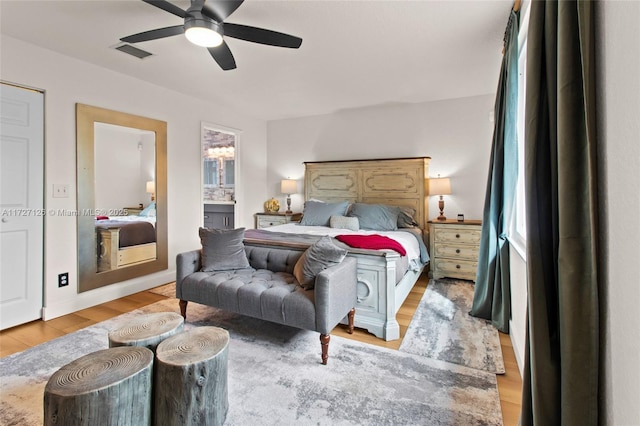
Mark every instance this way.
x=21 y=205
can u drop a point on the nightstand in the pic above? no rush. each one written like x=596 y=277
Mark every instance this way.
x=454 y=248
x=265 y=220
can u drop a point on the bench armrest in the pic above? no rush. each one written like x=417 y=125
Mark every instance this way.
x=186 y=264
x=335 y=294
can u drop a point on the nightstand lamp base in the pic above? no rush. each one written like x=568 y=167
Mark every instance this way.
x=288 y=211
x=441 y=207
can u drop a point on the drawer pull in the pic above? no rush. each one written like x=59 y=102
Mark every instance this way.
x=458 y=251
x=457 y=266
x=457 y=235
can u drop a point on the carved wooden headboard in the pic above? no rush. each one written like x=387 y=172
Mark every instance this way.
x=398 y=182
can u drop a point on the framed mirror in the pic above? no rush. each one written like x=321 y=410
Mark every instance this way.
x=122 y=196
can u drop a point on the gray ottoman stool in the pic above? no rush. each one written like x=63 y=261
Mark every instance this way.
x=191 y=378
x=107 y=387
x=147 y=330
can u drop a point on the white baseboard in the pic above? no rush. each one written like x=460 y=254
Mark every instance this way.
x=518 y=344
x=106 y=294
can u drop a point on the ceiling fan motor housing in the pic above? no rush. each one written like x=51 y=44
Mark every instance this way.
x=198 y=20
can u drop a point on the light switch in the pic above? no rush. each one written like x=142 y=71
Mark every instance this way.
x=60 y=190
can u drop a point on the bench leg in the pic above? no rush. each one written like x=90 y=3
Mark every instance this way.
x=351 y=315
x=324 y=342
x=183 y=308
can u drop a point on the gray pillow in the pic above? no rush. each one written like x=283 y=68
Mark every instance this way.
x=406 y=219
x=223 y=250
x=320 y=256
x=317 y=213
x=377 y=217
x=344 y=222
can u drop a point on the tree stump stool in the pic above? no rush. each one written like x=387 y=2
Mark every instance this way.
x=107 y=387
x=191 y=378
x=147 y=330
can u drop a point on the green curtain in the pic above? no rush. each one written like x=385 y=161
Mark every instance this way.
x=560 y=383
x=492 y=291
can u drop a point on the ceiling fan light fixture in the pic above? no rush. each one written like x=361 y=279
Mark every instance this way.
x=205 y=26
x=203 y=33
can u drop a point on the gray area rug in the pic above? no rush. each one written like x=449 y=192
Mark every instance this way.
x=275 y=377
x=442 y=329
x=168 y=290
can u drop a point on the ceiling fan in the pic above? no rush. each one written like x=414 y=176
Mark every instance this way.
x=204 y=26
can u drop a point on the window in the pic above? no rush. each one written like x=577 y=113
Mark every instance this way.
x=210 y=172
x=229 y=172
x=518 y=227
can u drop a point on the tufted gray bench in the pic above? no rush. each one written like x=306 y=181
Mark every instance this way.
x=269 y=291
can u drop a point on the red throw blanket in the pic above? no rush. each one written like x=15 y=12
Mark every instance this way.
x=374 y=241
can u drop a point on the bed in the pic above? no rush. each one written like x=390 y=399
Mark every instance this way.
x=125 y=241
x=385 y=278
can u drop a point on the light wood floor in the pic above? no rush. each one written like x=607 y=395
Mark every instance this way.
x=24 y=336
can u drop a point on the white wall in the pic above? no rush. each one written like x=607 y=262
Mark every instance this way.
x=455 y=133
x=67 y=81
x=618 y=77
x=519 y=293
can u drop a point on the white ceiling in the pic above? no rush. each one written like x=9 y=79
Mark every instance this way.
x=353 y=54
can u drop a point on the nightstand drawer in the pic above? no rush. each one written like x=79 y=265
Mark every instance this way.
x=266 y=222
x=463 y=269
x=458 y=236
x=453 y=251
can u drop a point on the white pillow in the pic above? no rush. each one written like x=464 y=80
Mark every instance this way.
x=344 y=222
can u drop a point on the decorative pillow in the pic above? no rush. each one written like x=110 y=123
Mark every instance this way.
x=317 y=213
x=405 y=218
x=377 y=217
x=344 y=222
x=223 y=250
x=320 y=256
x=149 y=211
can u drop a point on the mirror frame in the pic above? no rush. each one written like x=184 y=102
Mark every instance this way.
x=86 y=117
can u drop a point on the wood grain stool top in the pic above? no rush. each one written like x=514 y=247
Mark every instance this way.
x=147 y=330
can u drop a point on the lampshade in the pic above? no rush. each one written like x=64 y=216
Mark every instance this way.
x=151 y=187
x=439 y=186
x=288 y=186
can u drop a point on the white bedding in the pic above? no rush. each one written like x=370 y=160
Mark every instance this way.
x=134 y=218
x=406 y=239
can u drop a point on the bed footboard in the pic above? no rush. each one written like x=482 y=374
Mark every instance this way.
x=111 y=256
x=379 y=297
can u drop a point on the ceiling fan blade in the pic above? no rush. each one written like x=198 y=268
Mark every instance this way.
x=223 y=56
x=262 y=36
x=167 y=7
x=154 y=34
x=219 y=10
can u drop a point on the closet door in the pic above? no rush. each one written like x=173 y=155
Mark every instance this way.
x=21 y=205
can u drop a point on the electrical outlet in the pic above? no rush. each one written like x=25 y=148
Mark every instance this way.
x=63 y=279
x=60 y=190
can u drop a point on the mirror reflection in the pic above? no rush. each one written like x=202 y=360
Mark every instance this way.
x=124 y=196
x=122 y=219
x=218 y=167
